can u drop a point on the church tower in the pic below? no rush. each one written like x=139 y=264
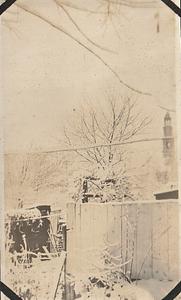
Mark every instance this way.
x=167 y=173
x=168 y=139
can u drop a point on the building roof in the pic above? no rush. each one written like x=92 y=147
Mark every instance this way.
x=173 y=194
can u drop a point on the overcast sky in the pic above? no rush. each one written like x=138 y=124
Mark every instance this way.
x=46 y=74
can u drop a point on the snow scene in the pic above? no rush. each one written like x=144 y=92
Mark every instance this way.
x=91 y=202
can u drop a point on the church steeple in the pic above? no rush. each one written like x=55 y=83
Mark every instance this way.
x=168 y=140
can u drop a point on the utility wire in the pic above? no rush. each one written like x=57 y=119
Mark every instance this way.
x=93 y=146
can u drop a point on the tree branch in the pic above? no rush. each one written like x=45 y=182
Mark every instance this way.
x=79 y=29
x=77 y=41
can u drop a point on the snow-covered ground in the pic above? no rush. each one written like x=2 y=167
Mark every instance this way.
x=142 y=290
x=42 y=278
x=38 y=282
x=157 y=288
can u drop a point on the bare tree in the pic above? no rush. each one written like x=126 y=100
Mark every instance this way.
x=118 y=122
x=35 y=171
x=46 y=171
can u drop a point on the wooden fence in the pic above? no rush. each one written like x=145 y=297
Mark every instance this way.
x=139 y=238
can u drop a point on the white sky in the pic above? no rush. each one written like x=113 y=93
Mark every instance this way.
x=46 y=74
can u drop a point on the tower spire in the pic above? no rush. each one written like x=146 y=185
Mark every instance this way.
x=168 y=140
